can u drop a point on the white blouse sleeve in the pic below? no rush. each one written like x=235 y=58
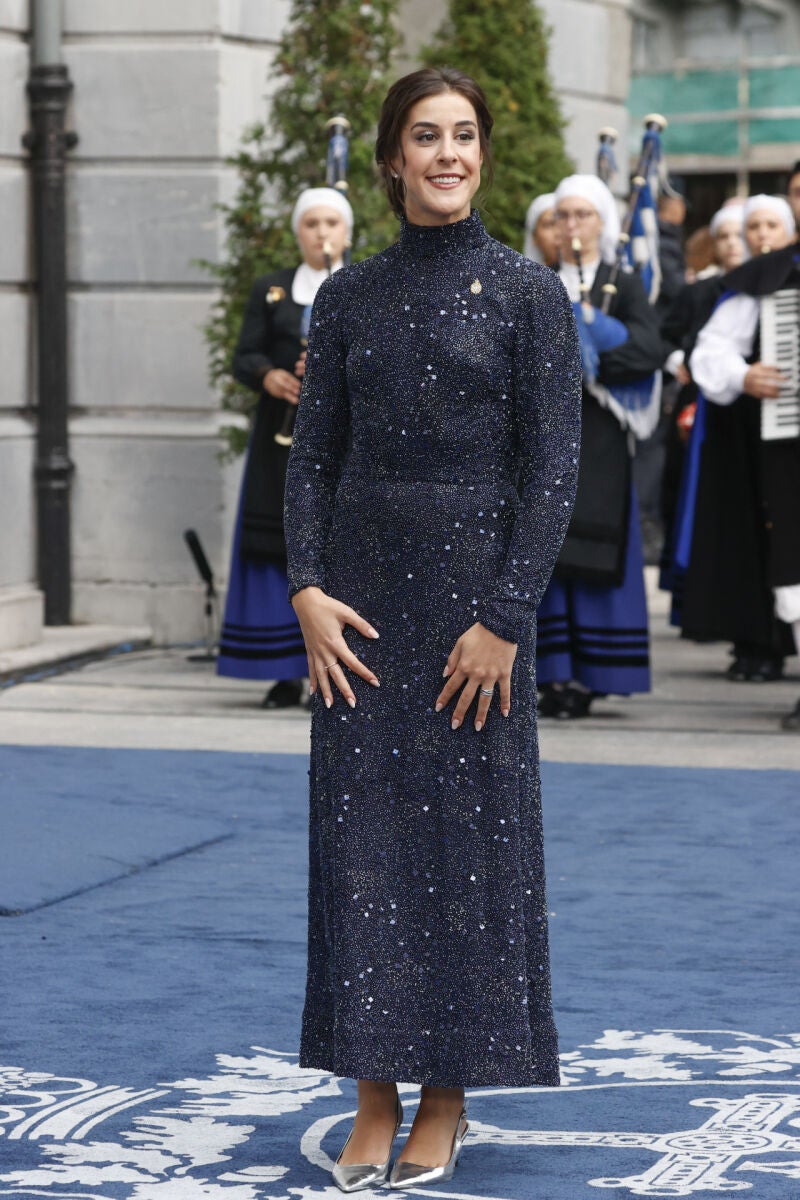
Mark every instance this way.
x=718 y=363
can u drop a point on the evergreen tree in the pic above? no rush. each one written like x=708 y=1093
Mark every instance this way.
x=333 y=59
x=503 y=44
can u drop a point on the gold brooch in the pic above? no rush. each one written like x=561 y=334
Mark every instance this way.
x=275 y=294
x=475 y=287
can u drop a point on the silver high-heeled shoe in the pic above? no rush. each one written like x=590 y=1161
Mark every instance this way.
x=352 y=1177
x=407 y=1174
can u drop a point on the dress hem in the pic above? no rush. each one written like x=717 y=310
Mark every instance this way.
x=342 y=1070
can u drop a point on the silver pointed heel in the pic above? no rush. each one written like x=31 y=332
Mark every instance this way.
x=352 y=1177
x=407 y=1174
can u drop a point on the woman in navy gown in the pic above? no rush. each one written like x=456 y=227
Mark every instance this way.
x=429 y=488
x=261 y=638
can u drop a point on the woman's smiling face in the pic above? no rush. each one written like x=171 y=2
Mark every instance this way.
x=441 y=159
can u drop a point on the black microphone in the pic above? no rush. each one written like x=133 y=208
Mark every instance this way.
x=200 y=560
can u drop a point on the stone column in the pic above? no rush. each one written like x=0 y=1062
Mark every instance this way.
x=162 y=94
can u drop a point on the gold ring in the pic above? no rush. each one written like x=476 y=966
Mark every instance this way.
x=333 y=664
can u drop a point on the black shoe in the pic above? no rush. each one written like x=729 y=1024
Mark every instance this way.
x=791 y=723
x=566 y=703
x=740 y=668
x=765 y=670
x=549 y=701
x=576 y=703
x=286 y=693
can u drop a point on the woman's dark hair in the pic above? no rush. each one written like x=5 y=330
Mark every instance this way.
x=401 y=98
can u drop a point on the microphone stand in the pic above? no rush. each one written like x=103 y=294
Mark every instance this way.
x=211 y=599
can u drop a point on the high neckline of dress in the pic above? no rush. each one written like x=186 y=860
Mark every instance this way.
x=442 y=239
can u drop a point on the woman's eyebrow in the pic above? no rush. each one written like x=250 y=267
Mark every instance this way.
x=433 y=125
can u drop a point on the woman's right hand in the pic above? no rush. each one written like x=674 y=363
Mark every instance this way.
x=282 y=385
x=322 y=621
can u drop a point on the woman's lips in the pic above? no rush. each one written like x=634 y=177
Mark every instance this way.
x=445 y=183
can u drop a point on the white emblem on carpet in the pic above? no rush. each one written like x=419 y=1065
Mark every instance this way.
x=181 y=1135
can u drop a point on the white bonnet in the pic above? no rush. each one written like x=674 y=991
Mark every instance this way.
x=328 y=196
x=733 y=211
x=593 y=190
x=536 y=211
x=775 y=204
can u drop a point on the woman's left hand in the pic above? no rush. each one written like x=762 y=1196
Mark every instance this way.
x=479 y=659
x=300 y=365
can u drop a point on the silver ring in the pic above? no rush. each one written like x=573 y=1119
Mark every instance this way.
x=487 y=691
x=333 y=664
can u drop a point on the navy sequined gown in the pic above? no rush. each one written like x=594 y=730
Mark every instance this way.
x=452 y=363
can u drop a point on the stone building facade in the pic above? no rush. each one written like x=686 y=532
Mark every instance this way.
x=161 y=94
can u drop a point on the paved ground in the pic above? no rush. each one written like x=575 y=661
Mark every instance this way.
x=151 y=1013
x=159 y=699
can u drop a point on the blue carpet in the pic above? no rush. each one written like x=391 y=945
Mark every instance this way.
x=150 y=1019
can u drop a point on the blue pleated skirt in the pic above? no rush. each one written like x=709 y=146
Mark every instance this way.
x=261 y=636
x=598 y=636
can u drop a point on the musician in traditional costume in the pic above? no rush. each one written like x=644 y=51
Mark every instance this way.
x=695 y=302
x=687 y=315
x=542 y=235
x=738 y=535
x=592 y=623
x=261 y=636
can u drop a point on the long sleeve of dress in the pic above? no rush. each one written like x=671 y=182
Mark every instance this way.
x=547 y=383
x=320 y=441
x=250 y=360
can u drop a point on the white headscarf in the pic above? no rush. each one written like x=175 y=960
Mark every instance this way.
x=536 y=211
x=330 y=197
x=593 y=190
x=728 y=212
x=774 y=204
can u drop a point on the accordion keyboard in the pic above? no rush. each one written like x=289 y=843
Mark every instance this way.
x=780 y=347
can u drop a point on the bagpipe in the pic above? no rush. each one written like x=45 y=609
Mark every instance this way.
x=636 y=405
x=637 y=248
x=336 y=163
x=336 y=167
x=606 y=158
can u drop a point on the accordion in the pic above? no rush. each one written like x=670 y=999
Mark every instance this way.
x=780 y=347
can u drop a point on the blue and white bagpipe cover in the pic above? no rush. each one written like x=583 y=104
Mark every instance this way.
x=636 y=405
x=642 y=251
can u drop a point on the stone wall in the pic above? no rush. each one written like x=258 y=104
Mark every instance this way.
x=590 y=65
x=162 y=93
